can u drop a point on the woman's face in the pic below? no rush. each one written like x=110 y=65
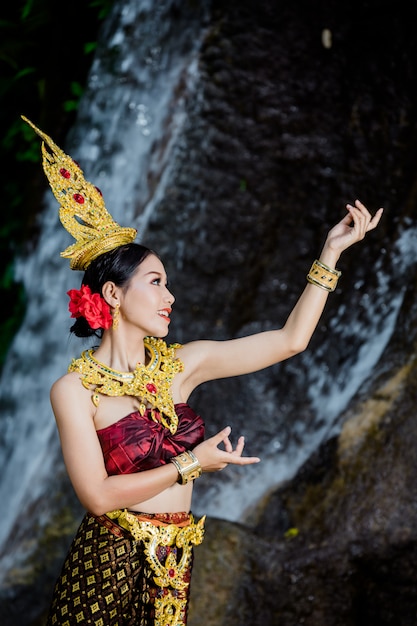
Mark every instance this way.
x=146 y=303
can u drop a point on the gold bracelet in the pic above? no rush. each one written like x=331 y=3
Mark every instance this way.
x=323 y=276
x=188 y=467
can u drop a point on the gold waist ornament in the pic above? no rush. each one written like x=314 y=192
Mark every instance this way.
x=172 y=573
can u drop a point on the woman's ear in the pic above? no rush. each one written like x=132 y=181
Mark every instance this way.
x=110 y=293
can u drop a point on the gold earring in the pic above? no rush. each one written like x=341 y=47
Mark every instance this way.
x=116 y=313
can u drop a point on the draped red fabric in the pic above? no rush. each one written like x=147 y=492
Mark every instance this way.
x=137 y=442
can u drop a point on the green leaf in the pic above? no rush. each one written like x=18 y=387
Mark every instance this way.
x=291 y=533
x=90 y=47
x=77 y=89
x=27 y=9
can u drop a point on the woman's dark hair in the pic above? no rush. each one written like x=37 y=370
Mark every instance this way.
x=118 y=266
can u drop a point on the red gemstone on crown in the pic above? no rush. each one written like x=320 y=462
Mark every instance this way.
x=65 y=173
x=171 y=573
x=151 y=388
x=78 y=198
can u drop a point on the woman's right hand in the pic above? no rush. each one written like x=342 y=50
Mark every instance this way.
x=212 y=458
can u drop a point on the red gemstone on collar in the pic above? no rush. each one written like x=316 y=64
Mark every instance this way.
x=78 y=198
x=151 y=388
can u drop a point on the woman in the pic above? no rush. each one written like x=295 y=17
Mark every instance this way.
x=131 y=443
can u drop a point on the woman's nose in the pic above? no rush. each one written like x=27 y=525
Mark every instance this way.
x=170 y=297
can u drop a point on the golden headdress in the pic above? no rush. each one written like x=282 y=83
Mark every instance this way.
x=95 y=231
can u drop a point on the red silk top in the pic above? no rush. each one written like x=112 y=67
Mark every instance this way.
x=136 y=443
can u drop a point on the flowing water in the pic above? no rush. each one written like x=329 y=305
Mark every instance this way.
x=135 y=124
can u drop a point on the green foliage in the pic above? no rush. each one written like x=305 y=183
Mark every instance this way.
x=103 y=7
x=77 y=91
x=45 y=54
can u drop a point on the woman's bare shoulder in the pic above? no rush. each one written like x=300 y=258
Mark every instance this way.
x=193 y=349
x=69 y=391
x=70 y=381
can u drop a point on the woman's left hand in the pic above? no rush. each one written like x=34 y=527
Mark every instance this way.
x=353 y=227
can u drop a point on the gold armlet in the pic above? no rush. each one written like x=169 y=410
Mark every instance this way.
x=188 y=467
x=323 y=276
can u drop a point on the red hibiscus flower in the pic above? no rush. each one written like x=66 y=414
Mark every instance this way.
x=92 y=306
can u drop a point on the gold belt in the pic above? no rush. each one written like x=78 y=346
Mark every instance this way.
x=171 y=575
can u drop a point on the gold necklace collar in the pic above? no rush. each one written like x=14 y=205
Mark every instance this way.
x=150 y=383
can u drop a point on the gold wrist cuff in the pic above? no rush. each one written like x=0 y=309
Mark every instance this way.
x=188 y=467
x=323 y=276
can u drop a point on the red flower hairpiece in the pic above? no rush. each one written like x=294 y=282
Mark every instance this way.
x=92 y=306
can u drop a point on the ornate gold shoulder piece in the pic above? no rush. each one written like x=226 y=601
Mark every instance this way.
x=82 y=210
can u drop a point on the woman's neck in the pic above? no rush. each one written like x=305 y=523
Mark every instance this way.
x=121 y=353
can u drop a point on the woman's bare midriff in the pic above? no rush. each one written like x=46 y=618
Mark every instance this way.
x=173 y=500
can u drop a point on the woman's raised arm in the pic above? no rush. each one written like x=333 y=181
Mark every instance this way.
x=209 y=360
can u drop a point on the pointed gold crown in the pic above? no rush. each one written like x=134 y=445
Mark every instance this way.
x=82 y=210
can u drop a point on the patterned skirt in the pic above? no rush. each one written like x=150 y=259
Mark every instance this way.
x=127 y=569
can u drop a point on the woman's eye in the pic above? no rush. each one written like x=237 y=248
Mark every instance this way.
x=156 y=281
